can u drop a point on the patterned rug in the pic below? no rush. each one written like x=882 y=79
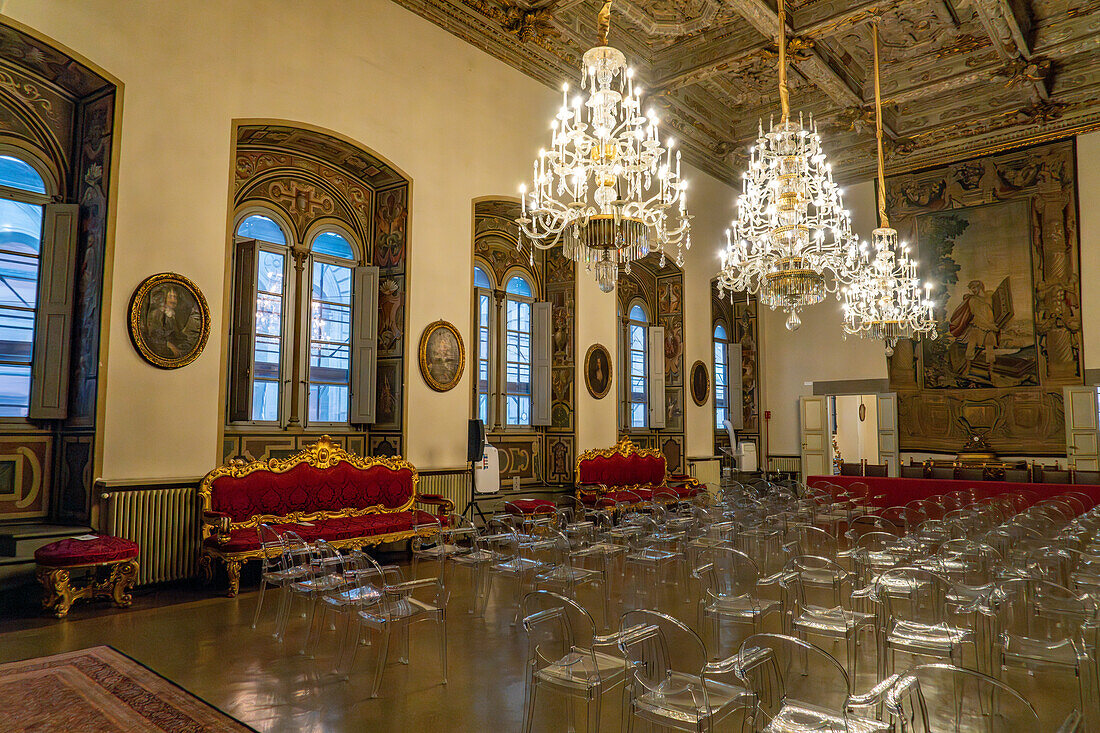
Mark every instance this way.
x=100 y=690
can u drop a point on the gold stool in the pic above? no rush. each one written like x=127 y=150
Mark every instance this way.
x=107 y=567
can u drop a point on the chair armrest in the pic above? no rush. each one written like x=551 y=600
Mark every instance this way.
x=445 y=505
x=682 y=478
x=875 y=695
x=596 y=488
x=219 y=522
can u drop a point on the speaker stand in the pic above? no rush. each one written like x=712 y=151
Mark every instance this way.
x=472 y=505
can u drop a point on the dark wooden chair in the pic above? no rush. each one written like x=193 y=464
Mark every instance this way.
x=1086 y=477
x=913 y=470
x=1018 y=475
x=851 y=469
x=1051 y=475
x=969 y=473
x=943 y=472
x=875 y=469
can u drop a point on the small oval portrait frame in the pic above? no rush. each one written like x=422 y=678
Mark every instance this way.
x=439 y=365
x=699 y=379
x=597 y=360
x=169 y=320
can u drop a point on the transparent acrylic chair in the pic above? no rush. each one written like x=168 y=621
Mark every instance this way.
x=323 y=573
x=817 y=599
x=442 y=541
x=402 y=604
x=1039 y=624
x=915 y=618
x=669 y=681
x=511 y=562
x=557 y=570
x=470 y=551
x=648 y=563
x=566 y=656
x=729 y=580
x=798 y=688
x=278 y=568
x=942 y=698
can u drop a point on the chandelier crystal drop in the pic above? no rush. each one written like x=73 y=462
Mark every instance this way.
x=607 y=188
x=792 y=241
x=885 y=301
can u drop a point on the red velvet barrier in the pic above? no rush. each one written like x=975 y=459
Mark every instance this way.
x=901 y=491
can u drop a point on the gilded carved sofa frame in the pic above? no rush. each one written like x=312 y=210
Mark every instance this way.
x=322 y=454
x=626 y=448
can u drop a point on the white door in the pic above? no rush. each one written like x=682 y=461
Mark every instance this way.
x=1082 y=444
x=814 y=424
x=888 y=452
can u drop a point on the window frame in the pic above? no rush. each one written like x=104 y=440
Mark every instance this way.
x=726 y=343
x=312 y=258
x=503 y=393
x=491 y=368
x=42 y=200
x=626 y=400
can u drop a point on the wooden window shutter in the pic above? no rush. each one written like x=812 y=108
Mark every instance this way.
x=53 y=318
x=242 y=331
x=656 y=344
x=364 y=345
x=540 y=364
x=735 y=399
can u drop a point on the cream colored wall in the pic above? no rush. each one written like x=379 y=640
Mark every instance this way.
x=817 y=351
x=854 y=438
x=1088 y=207
x=459 y=123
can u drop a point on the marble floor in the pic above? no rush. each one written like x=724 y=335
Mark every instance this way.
x=203 y=642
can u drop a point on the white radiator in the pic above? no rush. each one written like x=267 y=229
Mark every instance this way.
x=707 y=472
x=787 y=464
x=164 y=523
x=453 y=484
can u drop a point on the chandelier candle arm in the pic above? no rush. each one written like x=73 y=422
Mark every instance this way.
x=608 y=190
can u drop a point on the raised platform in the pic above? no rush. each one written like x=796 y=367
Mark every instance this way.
x=901 y=491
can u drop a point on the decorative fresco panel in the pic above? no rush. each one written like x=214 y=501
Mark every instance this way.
x=25 y=463
x=391 y=315
x=561 y=392
x=674 y=349
x=517 y=457
x=672 y=446
x=385 y=445
x=674 y=409
x=389 y=401
x=745 y=333
x=390 y=220
x=263 y=447
x=559 y=459
x=75 y=480
x=999 y=237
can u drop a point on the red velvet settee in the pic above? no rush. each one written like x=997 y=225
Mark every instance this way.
x=322 y=493
x=608 y=475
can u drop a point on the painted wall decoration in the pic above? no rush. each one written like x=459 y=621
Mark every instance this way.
x=559 y=459
x=597 y=371
x=998 y=236
x=169 y=320
x=739 y=317
x=391 y=315
x=442 y=356
x=390 y=398
x=700 y=383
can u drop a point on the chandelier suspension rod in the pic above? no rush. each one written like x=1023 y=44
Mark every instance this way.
x=884 y=222
x=603 y=23
x=784 y=103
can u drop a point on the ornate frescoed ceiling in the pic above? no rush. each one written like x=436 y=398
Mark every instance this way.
x=960 y=77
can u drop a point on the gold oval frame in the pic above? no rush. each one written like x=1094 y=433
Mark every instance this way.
x=610 y=371
x=137 y=320
x=699 y=401
x=423 y=352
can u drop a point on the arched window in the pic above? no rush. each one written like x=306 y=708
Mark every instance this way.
x=262 y=245
x=721 y=376
x=637 y=392
x=483 y=299
x=330 y=328
x=517 y=351
x=22 y=209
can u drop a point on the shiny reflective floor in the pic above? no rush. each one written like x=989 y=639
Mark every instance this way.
x=203 y=642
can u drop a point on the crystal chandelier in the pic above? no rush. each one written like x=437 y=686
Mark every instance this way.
x=792 y=242
x=885 y=301
x=607 y=188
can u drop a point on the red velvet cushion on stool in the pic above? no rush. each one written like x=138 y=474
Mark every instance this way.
x=529 y=506
x=86 y=552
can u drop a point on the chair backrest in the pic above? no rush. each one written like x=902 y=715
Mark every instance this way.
x=912 y=471
x=851 y=469
x=271 y=545
x=1031 y=609
x=775 y=668
x=914 y=595
x=876 y=469
x=727 y=572
x=624 y=464
x=556 y=627
x=810 y=580
x=930 y=698
x=664 y=658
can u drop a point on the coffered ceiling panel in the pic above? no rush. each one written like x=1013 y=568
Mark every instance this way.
x=959 y=77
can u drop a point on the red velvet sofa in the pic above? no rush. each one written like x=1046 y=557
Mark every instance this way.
x=322 y=492
x=610 y=475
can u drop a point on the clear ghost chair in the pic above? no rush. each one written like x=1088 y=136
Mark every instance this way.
x=971 y=567
x=942 y=698
x=906 y=517
x=349 y=596
x=432 y=545
x=566 y=656
x=764 y=544
x=511 y=562
x=669 y=680
x=278 y=568
x=323 y=573
x=800 y=688
x=729 y=580
x=817 y=599
x=1037 y=623
x=556 y=570
x=402 y=604
x=471 y=552
x=806 y=540
x=649 y=563
x=916 y=619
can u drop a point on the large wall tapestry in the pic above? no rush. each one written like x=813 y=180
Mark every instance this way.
x=58 y=107
x=997 y=237
x=310 y=176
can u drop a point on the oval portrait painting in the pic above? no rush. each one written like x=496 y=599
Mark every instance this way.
x=441 y=356
x=169 y=320
x=700 y=383
x=597 y=371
